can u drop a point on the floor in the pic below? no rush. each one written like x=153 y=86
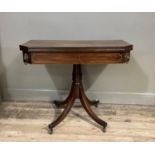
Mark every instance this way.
x=27 y=121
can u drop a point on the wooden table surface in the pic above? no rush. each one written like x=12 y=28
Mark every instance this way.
x=78 y=44
x=76 y=51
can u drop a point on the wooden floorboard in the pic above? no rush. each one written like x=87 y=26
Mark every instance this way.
x=27 y=121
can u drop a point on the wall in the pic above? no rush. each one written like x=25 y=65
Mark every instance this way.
x=122 y=83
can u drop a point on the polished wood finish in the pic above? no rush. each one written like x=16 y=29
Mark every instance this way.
x=77 y=91
x=78 y=58
x=76 y=53
x=75 y=45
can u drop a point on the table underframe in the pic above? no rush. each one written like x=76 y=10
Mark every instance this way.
x=76 y=92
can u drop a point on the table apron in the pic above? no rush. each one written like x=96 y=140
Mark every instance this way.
x=78 y=58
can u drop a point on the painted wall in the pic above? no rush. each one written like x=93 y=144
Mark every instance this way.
x=124 y=83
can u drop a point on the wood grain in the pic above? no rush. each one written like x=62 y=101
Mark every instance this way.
x=27 y=121
x=76 y=51
x=65 y=45
x=76 y=58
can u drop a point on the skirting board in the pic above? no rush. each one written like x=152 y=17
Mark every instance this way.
x=104 y=97
x=0 y=94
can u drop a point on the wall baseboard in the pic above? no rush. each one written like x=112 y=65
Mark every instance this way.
x=104 y=97
x=0 y=94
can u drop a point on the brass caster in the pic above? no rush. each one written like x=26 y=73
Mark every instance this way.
x=59 y=104
x=95 y=102
x=50 y=130
x=104 y=129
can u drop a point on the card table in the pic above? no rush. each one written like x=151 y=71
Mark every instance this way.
x=76 y=52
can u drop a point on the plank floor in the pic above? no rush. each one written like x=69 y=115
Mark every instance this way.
x=27 y=121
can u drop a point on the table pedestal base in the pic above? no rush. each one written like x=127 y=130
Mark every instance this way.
x=77 y=91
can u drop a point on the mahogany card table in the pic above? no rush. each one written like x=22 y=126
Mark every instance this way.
x=76 y=52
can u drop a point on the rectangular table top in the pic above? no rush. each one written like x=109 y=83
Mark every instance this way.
x=69 y=45
x=76 y=51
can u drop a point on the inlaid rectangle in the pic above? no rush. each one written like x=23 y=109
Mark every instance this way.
x=76 y=58
x=76 y=51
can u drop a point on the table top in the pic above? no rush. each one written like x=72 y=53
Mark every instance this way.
x=71 y=45
x=76 y=51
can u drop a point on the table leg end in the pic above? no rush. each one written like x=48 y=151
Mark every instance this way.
x=50 y=129
x=104 y=127
x=94 y=102
x=59 y=104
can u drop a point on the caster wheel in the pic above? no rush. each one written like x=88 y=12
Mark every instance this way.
x=95 y=102
x=104 y=129
x=57 y=104
x=96 y=105
x=50 y=129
